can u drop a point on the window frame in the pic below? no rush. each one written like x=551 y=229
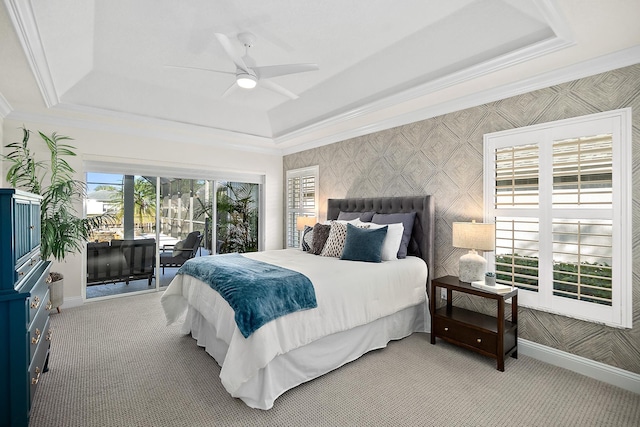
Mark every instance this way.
x=616 y=122
x=308 y=171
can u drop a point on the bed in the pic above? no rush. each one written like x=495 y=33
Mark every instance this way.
x=306 y=344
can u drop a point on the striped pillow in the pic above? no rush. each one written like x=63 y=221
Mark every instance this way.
x=307 y=238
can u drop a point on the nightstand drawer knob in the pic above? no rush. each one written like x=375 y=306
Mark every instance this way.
x=446 y=329
x=479 y=340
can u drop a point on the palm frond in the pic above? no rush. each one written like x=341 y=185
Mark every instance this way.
x=63 y=231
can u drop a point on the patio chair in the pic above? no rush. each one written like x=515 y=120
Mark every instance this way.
x=176 y=255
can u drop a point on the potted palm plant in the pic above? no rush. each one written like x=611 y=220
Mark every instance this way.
x=63 y=231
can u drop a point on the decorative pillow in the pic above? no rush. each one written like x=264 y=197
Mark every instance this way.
x=307 y=238
x=406 y=219
x=335 y=242
x=320 y=235
x=178 y=248
x=337 y=237
x=362 y=216
x=392 y=240
x=364 y=244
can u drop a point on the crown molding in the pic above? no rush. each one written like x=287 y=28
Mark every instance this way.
x=505 y=61
x=148 y=127
x=333 y=129
x=24 y=21
x=308 y=138
x=551 y=12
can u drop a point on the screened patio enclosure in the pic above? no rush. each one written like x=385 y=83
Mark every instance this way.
x=150 y=219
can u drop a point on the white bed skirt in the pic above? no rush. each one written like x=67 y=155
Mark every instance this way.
x=289 y=370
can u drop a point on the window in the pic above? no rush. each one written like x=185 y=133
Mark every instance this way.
x=560 y=196
x=302 y=200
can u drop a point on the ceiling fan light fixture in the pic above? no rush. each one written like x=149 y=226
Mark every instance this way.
x=246 y=81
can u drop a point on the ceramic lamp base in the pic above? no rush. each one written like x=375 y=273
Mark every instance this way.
x=472 y=267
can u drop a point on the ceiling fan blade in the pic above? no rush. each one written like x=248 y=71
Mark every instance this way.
x=200 y=69
x=278 y=89
x=231 y=52
x=269 y=71
x=229 y=89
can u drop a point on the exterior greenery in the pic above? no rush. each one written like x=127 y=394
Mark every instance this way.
x=144 y=201
x=237 y=225
x=63 y=231
x=237 y=217
x=595 y=279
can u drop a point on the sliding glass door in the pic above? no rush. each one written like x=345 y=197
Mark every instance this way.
x=155 y=224
x=121 y=255
x=237 y=222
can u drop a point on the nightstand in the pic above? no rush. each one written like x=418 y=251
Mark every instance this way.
x=488 y=335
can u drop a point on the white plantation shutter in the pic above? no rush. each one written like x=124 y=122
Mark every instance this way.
x=557 y=193
x=302 y=199
x=517 y=244
x=517 y=176
x=583 y=171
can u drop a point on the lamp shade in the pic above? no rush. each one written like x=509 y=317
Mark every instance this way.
x=246 y=81
x=474 y=235
x=301 y=221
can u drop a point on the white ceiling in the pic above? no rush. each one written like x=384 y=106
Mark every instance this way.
x=379 y=61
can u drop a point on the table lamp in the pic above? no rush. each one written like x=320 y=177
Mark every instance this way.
x=302 y=221
x=472 y=236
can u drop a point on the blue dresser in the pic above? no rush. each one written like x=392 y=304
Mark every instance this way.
x=25 y=334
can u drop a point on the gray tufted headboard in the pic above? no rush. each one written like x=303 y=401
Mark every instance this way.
x=423 y=235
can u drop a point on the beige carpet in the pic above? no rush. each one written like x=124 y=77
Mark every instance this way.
x=115 y=363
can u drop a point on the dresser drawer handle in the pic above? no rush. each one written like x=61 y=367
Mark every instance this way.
x=35 y=380
x=36 y=302
x=21 y=273
x=446 y=329
x=35 y=340
x=479 y=340
x=48 y=338
x=49 y=305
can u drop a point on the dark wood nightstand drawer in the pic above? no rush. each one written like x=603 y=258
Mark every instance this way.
x=482 y=340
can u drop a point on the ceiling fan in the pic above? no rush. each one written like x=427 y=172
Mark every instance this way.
x=248 y=75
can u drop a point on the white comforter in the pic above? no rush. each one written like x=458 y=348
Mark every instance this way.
x=348 y=294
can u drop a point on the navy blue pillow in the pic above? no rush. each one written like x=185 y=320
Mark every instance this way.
x=363 y=244
x=406 y=219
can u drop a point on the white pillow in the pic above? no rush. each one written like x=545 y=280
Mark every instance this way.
x=392 y=240
x=354 y=221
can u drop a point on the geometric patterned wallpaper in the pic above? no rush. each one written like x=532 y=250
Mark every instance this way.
x=442 y=156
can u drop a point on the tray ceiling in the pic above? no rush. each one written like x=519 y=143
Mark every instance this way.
x=120 y=57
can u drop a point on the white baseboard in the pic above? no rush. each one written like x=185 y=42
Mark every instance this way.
x=609 y=374
x=72 y=302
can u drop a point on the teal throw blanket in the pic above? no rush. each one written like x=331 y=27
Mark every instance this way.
x=257 y=291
